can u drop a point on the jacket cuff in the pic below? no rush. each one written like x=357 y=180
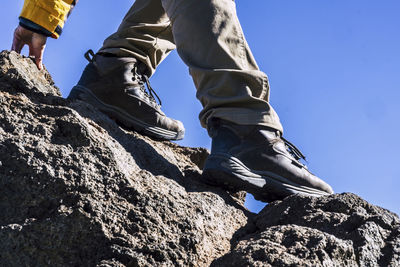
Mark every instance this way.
x=30 y=25
x=48 y=14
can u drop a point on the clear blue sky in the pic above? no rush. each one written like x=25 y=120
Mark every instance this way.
x=334 y=68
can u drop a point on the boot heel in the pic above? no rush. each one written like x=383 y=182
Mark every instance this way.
x=75 y=94
x=217 y=172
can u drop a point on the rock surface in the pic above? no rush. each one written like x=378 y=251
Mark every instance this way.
x=78 y=190
x=339 y=230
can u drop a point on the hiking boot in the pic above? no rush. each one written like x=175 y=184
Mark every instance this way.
x=259 y=160
x=117 y=87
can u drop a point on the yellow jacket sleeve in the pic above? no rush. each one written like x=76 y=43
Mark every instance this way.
x=49 y=14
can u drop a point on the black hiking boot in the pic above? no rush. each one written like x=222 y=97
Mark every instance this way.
x=260 y=161
x=117 y=87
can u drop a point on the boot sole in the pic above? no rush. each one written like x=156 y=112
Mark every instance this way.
x=230 y=173
x=130 y=122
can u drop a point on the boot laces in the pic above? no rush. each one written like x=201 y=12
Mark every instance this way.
x=293 y=150
x=142 y=79
x=145 y=87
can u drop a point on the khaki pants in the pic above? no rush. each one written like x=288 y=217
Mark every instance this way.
x=209 y=39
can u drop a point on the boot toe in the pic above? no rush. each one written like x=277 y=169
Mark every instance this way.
x=179 y=128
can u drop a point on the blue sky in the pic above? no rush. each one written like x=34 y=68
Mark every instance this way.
x=334 y=68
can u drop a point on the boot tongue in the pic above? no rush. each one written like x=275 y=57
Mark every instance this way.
x=143 y=84
x=269 y=135
x=282 y=143
x=142 y=68
x=108 y=63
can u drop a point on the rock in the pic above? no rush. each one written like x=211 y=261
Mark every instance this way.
x=78 y=190
x=20 y=72
x=339 y=230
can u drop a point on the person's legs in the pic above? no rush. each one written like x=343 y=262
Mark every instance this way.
x=145 y=34
x=116 y=78
x=248 y=151
x=210 y=41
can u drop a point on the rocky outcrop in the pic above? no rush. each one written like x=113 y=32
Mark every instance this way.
x=339 y=230
x=78 y=190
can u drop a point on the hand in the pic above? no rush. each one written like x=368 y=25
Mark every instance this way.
x=35 y=41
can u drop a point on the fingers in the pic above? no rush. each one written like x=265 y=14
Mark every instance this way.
x=36 y=48
x=37 y=53
x=31 y=54
x=18 y=42
x=17 y=46
x=39 y=62
x=35 y=41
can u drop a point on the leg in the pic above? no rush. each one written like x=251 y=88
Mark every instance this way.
x=145 y=34
x=248 y=151
x=115 y=79
x=210 y=41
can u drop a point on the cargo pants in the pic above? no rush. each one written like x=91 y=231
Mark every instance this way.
x=209 y=39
